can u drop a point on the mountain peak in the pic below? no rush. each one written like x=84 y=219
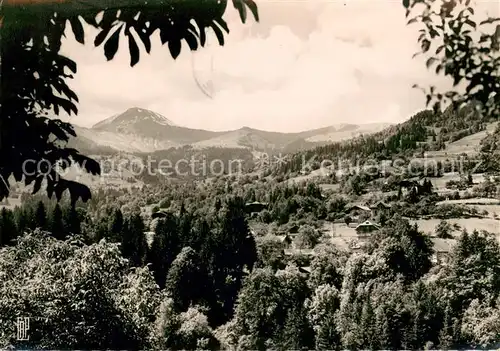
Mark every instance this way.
x=132 y=117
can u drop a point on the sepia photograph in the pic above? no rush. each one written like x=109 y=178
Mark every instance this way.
x=250 y=174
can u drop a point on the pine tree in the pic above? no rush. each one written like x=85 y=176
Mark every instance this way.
x=446 y=333
x=8 y=229
x=72 y=220
x=234 y=250
x=116 y=226
x=164 y=249
x=184 y=282
x=41 y=216
x=57 y=225
x=22 y=219
x=367 y=324
x=134 y=245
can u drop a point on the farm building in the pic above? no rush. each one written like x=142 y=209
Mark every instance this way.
x=442 y=249
x=380 y=207
x=358 y=213
x=367 y=227
x=253 y=207
x=286 y=240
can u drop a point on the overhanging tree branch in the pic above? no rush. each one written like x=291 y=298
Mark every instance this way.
x=34 y=75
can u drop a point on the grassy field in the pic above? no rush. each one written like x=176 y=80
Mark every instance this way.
x=488 y=224
x=326 y=187
x=492 y=206
x=440 y=182
x=473 y=201
x=469 y=145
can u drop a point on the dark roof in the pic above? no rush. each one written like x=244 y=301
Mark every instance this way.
x=160 y=214
x=361 y=207
x=256 y=203
x=368 y=224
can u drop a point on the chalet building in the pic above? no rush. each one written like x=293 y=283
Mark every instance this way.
x=358 y=213
x=294 y=229
x=367 y=227
x=380 y=207
x=285 y=240
x=305 y=270
x=254 y=207
x=161 y=214
x=442 y=249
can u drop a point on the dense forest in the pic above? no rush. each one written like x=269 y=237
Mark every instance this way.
x=199 y=277
x=425 y=131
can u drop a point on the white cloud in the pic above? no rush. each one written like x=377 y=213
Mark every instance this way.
x=354 y=65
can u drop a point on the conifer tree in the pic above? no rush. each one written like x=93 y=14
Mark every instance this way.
x=57 y=225
x=164 y=248
x=134 y=245
x=72 y=221
x=41 y=216
x=116 y=226
x=184 y=282
x=8 y=229
x=22 y=219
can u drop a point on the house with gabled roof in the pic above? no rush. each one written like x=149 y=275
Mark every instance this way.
x=367 y=227
x=286 y=240
x=358 y=213
x=442 y=250
x=380 y=207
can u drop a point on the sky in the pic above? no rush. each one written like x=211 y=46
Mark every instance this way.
x=307 y=64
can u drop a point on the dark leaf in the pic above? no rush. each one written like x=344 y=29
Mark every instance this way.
x=192 y=41
x=253 y=7
x=240 y=6
x=425 y=45
x=76 y=191
x=57 y=132
x=66 y=104
x=68 y=63
x=471 y=23
x=203 y=36
x=430 y=62
x=18 y=175
x=406 y=3
x=490 y=20
x=99 y=39
x=38 y=184
x=218 y=33
x=90 y=165
x=111 y=45
x=134 y=50
x=175 y=48
x=77 y=27
x=223 y=24
x=69 y=93
x=164 y=36
x=145 y=40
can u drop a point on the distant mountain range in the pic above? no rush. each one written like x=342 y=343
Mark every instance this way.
x=139 y=130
